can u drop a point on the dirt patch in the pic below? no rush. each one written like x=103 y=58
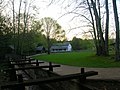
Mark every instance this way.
x=104 y=84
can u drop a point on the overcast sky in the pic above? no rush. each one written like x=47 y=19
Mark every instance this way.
x=58 y=8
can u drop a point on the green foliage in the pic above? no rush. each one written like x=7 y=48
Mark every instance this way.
x=52 y=29
x=5 y=36
x=29 y=38
x=23 y=42
x=81 y=59
x=80 y=44
x=76 y=43
x=36 y=30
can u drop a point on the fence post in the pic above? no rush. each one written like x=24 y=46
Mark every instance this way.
x=37 y=63
x=20 y=80
x=29 y=60
x=12 y=74
x=83 y=78
x=82 y=70
x=50 y=66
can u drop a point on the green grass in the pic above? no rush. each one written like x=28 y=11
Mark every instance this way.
x=81 y=59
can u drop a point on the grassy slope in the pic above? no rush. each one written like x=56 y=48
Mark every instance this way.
x=82 y=59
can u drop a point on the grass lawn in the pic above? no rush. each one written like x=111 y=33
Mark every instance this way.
x=81 y=59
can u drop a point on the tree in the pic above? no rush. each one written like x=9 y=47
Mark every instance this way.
x=91 y=11
x=76 y=43
x=13 y=2
x=117 y=30
x=80 y=44
x=5 y=36
x=36 y=30
x=95 y=38
x=48 y=26
x=58 y=33
x=18 y=48
x=101 y=42
x=106 y=28
x=22 y=20
x=51 y=29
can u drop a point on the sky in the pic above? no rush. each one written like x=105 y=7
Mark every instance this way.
x=57 y=10
x=54 y=10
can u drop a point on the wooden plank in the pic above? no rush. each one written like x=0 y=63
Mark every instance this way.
x=32 y=67
x=26 y=63
x=21 y=60
x=51 y=79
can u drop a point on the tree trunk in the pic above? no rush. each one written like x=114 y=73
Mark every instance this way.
x=14 y=27
x=18 y=37
x=117 y=29
x=48 y=42
x=101 y=42
x=94 y=31
x=107 y=28
x=24 y=31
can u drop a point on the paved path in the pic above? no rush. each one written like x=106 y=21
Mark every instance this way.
x=103 y=73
